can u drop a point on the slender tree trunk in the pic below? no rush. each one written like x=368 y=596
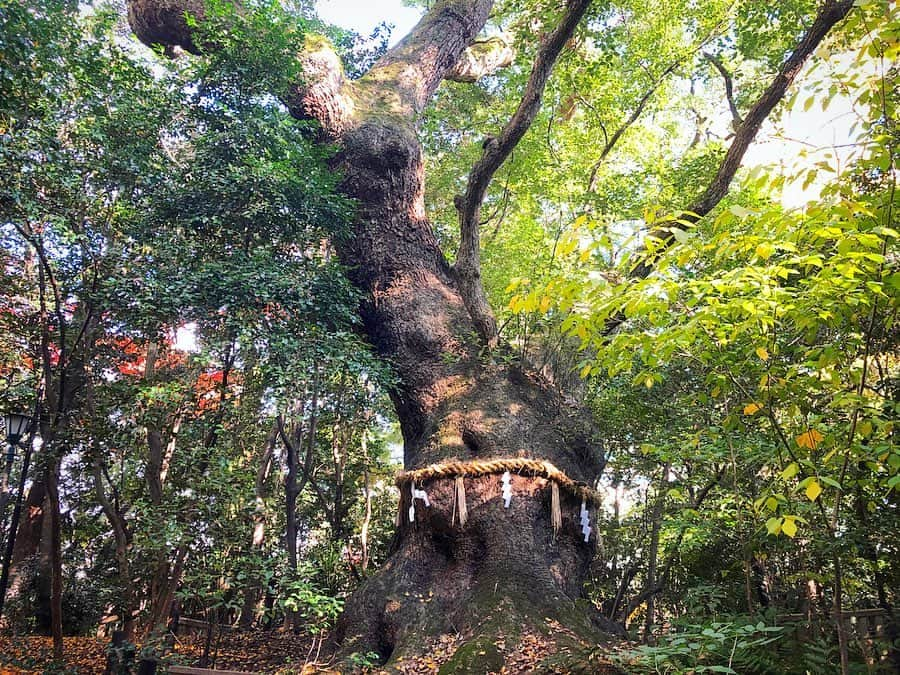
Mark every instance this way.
x=748 y=588
x=11 y=535
x=870 y=552
x=367 y=491
x=56 y=629
x=838 y=610
x=258 y=536
x=653 y=554
x=123 y=542
x=28 y=538
x=291 y=491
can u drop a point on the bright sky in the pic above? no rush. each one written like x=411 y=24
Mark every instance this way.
x=363 y=16
x=810 y=135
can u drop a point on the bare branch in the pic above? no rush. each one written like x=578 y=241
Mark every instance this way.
x=494 y=153
x=736 y=119
x=611 y=141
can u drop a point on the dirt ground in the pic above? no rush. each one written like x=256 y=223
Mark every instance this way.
x=254 y=651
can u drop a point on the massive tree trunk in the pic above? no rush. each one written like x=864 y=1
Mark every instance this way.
x=454 y=403
x=503 y=572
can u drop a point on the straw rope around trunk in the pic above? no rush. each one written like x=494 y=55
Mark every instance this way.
x=521 y=466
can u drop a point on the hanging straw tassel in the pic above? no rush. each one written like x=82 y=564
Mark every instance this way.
x=461 y=501
x=555 y=512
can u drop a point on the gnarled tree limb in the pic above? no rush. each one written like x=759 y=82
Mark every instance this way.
x=404 y=79
x=163 y=22
x=483 y=57
x=399 y=83
x=494 y=153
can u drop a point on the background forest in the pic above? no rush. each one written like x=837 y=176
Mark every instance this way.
x=215 y=439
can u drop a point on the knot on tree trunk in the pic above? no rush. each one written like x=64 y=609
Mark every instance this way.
x=164 y=22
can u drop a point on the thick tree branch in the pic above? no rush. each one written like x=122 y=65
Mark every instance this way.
x=830 y=13
x=482 y=58
x=403 y=80
x=494 y=153
x=323 y=93
x=162 y=22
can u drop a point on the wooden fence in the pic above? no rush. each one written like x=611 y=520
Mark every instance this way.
x=865 y=628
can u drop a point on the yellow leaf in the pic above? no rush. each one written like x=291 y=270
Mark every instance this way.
x=715 y=392
x=752 y=408
x=791 y=471
x=545 y=304
x=648 y=382
x=762 y=353
x=764 y=251
x=566 y=245
x=865 y=429
x=763 y=381
x=789 y=527
x=810 y=439
x=585 y=371
x=771 y=503
x=813 y=490
x=773 y=525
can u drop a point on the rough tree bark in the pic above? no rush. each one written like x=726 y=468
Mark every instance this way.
x=503 y=572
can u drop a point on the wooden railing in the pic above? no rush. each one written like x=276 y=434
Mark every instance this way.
x=867 y=628
x=864 y=623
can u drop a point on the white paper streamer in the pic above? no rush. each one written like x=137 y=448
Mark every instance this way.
x=416 y=494
x=585 y=522
x=421 y=494
x=507 y=489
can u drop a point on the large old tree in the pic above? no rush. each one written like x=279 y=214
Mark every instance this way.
x=459 y=397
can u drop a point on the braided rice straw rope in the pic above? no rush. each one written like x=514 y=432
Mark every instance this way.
x=477 y=467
